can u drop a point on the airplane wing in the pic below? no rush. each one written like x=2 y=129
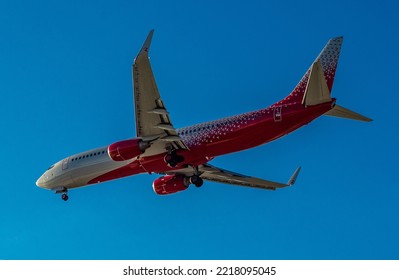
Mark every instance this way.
x=152 y=119
x=215 y=174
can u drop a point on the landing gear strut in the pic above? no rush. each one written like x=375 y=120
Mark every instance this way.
x=172 y=159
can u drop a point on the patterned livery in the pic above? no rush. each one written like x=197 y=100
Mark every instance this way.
x=182 y=155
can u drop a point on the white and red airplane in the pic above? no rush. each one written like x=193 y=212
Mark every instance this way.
x=182 y=155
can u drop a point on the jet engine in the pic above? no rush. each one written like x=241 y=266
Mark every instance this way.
x=170 y=184
x=127 y=149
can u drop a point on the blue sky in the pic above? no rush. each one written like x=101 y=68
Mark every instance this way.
x=66 y=87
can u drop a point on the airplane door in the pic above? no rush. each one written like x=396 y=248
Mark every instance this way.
x=277 y=113
x=65 y=164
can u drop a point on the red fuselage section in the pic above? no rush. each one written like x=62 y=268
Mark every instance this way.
x=208 y=140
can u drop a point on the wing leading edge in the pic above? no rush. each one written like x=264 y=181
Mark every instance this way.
x=152 y=118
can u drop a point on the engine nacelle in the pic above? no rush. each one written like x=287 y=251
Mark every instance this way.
x=170 y=184
x=127 y=149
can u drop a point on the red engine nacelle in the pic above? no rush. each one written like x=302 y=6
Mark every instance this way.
x=170 y=184
x=127 y=149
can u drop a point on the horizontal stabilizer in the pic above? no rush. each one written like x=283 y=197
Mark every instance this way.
x=341 y=112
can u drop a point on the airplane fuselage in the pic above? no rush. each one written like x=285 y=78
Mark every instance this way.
x=205 y=142
x=182 y=155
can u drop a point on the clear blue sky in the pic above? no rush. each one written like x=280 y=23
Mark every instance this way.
x=65 y=82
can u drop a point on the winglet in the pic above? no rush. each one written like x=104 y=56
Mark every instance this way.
x=294 y=176
x=146 y=46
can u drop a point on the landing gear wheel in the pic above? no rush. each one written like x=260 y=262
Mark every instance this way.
x=168 y=158
x=196 y=181
x=172 y=159
x=64 y=197
x=179 y=159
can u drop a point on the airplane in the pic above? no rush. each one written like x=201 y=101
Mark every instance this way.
x=182 y=156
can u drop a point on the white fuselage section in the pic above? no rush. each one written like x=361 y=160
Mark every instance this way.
x=77 y=170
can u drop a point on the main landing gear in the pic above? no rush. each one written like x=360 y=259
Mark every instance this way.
x=172 y=159
x=196 y=181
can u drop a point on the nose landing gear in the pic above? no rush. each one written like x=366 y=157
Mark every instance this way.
x=64 y=192
x=64 y=197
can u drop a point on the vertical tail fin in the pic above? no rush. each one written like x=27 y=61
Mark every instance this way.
x=328 y=59
x=315 y=86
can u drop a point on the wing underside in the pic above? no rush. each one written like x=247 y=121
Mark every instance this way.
x=215 y=174
x=152 y=118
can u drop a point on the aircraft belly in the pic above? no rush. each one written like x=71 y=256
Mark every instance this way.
x=156 y=163
x=81 y=175
x=117 y=170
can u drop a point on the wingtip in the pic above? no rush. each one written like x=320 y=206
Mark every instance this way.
x=336 y=40
x=150 y=33
x=146 y=46
x=294 y=177
x=367 y=119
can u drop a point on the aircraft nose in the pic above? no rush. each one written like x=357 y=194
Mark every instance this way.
x=40 y=182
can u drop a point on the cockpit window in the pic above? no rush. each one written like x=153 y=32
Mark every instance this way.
x=50 y=167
